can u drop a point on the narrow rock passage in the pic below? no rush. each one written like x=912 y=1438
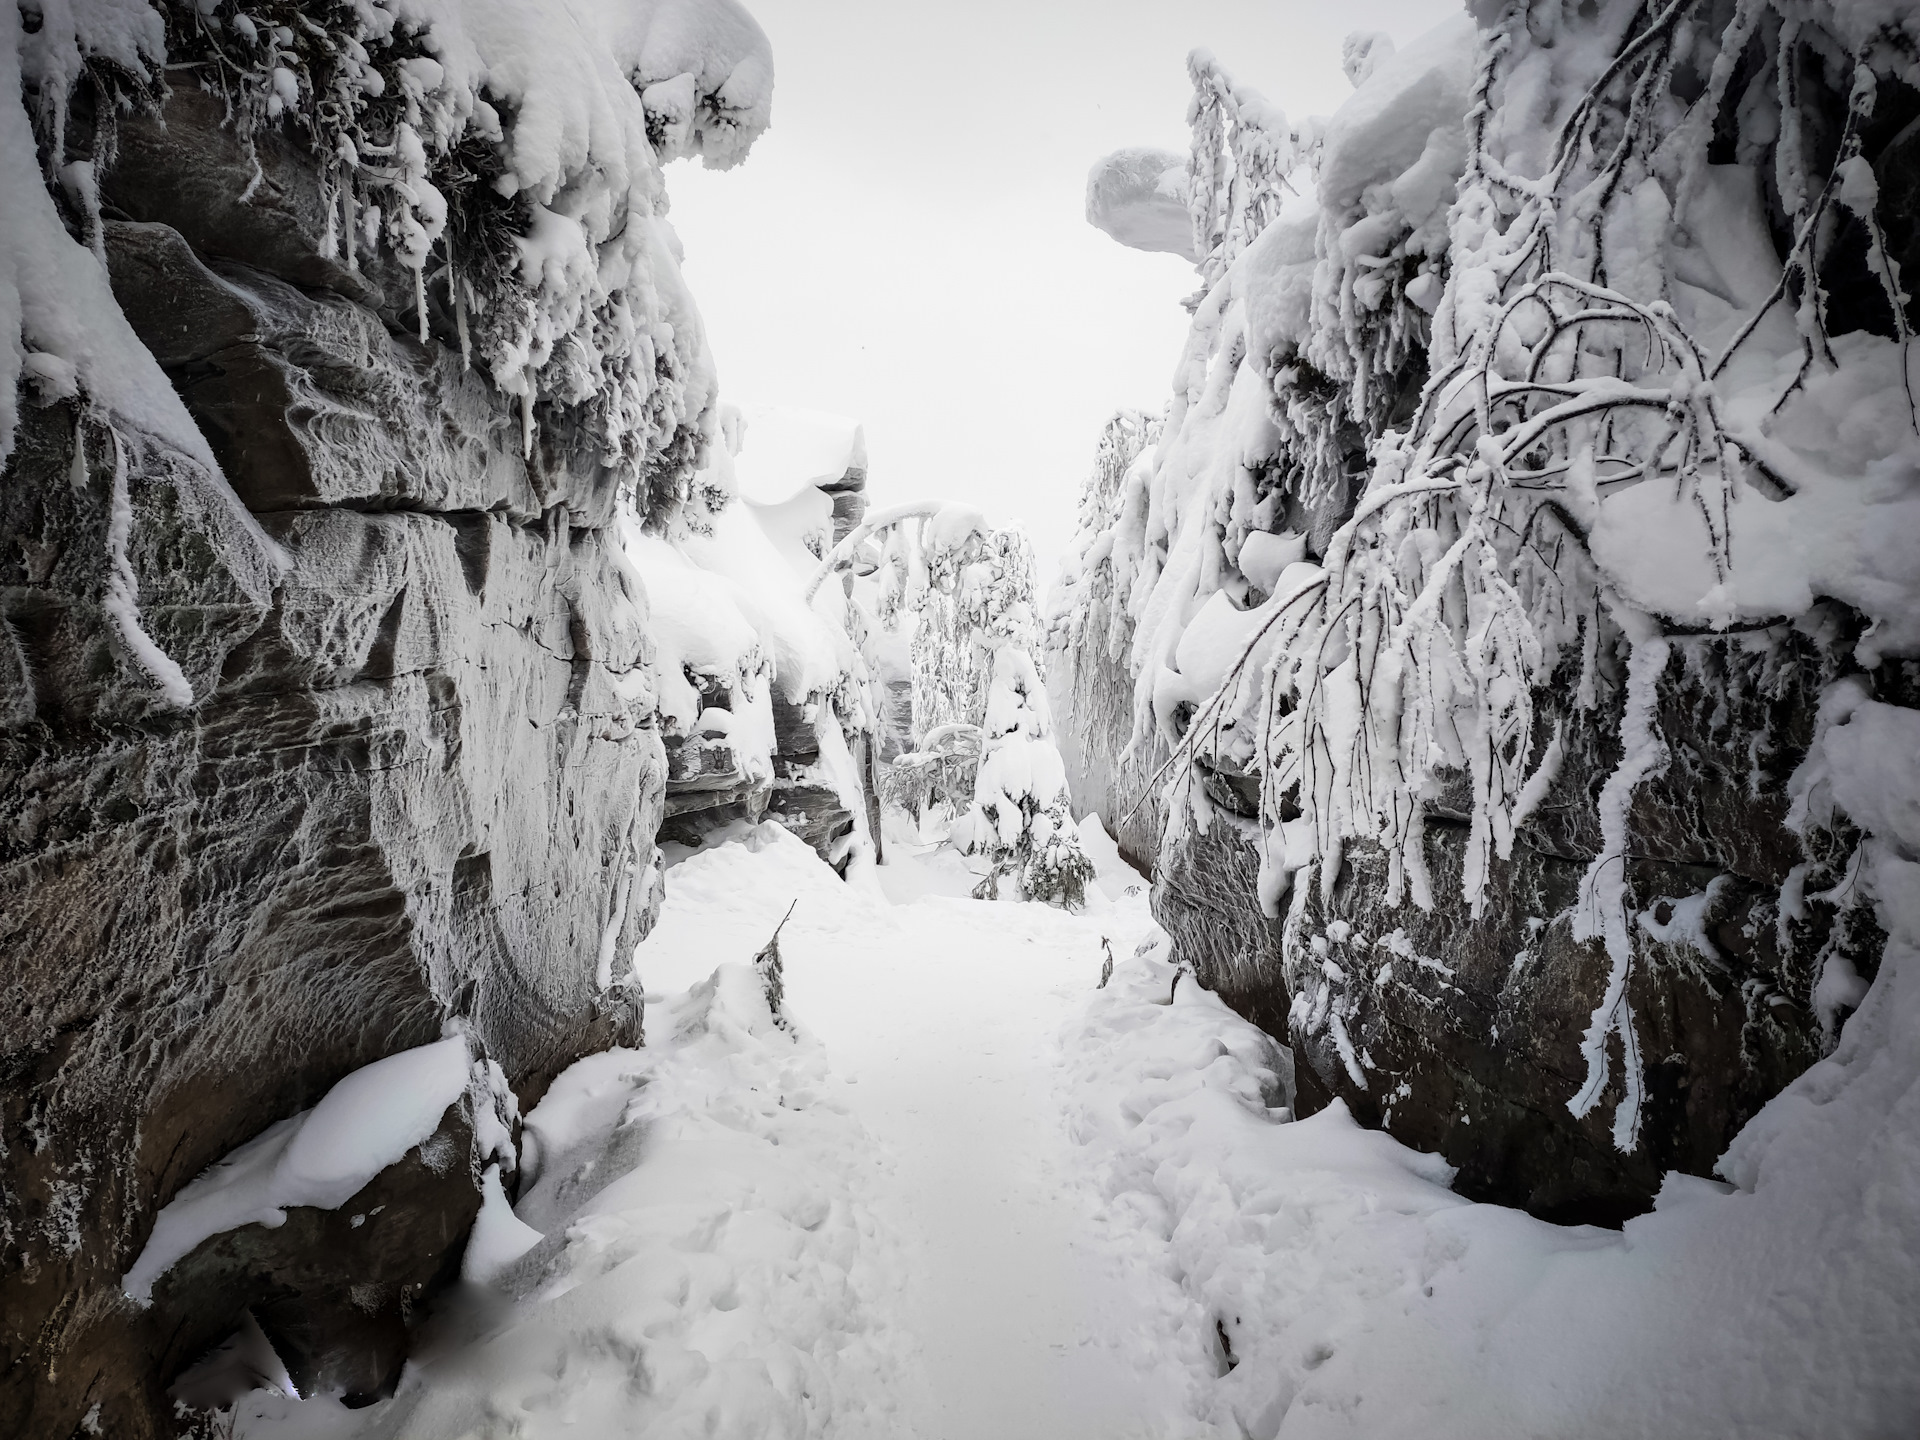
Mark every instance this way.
x=865 y=1219
x=939 y=1015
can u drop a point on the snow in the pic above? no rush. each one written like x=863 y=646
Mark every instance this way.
x=730 y=603
x=711 y=1263
x=499 y=1236
x=1111 y=872
x=1139 y=197
x=1363 y=52
x=1264 y=555
x=1410 y=102
x=969 y=1194
x=786 y=449
x=321 y=1157
x=1863 y=753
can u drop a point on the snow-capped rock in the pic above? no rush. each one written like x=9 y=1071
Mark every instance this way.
x=327 y=708
x=1494 y=827
x=1139 y=197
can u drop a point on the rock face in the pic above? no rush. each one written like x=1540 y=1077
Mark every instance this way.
x=1089 y=673
x=1573 y=984
x=1461 y=1033
x=1465 y=1027
x=1461 y=1027
x=708 y=787
x=331 y=1291
x=418 y=782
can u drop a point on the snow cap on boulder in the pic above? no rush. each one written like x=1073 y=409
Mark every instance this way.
x=1139 y=196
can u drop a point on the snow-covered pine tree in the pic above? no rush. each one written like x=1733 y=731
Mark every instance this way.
x=978 y=701
x=1020 y=817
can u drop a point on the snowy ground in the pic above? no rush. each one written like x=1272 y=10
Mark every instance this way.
x=873 y=1225
x=940 y=1015
x=964 y=1193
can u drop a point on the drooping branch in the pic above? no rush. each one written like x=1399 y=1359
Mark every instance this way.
x=967 y=519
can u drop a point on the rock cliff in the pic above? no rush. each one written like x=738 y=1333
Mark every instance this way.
x=326 y=721
x=1480 y=709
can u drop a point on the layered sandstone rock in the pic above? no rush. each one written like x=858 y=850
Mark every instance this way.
x=417 y=784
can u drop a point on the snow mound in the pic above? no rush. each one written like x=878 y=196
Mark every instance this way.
x=1363 y=52
x=710 y=1265
x=727 y=899
x=1402 y=104
x=1111 y=872
x=785 y=450
x=1355 y=1295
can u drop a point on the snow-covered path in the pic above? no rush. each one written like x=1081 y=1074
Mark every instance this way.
x=1024 y=1321
x=940 y=1016
x=961 y=1193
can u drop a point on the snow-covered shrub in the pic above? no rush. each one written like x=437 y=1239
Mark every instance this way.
x=1020 y=819
x=959 y=588
x=1581 y=337
x=940 y=768
x=969 y=590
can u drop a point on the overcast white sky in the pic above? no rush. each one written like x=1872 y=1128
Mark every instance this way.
x=907 y=244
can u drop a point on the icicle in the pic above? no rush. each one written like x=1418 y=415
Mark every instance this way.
x=121 y=601
x=459 y=288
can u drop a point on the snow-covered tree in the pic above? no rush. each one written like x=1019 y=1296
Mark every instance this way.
x=978 y=598
x=978 y=702
x=1020 y=819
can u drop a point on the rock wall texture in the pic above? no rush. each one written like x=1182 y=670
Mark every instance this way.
x=418 y=783
x=1573 y=951
x=1473 y=1025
